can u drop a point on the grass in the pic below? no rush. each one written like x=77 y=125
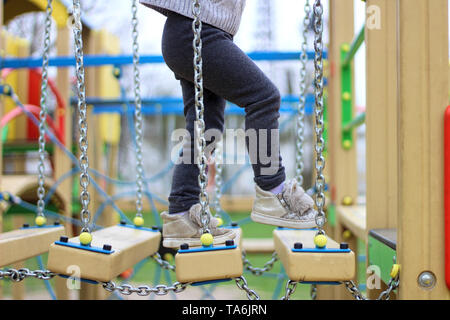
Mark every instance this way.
x=269 y=286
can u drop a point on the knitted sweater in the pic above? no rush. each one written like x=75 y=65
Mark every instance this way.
x=222 y=14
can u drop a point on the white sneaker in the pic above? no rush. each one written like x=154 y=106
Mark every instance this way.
x=187 y=228
x=292 y=208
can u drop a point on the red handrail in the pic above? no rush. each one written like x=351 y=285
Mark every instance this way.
x=34 y=110
x=61 y=105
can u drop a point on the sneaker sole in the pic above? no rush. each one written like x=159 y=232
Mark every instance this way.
x=195 y=242
x=280 y=222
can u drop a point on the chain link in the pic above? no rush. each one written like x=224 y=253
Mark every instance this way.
x=313 y=292
x=243 y=285
x=200 y=141
x=291 y=286
x=392 y=285
x=318 y=111
x=163 y=263
x=138 y=124
x=82 y=118
x=218 y=160
x=18 y=275
x=145 y=290
x=354 y=290
x=43 y=112
x=259 y=271
x=302 y=102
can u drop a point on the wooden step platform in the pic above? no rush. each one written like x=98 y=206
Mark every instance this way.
x=354 y=219
x=310 y=264
x=97 y=262
x=202 y=264
x=27 y=242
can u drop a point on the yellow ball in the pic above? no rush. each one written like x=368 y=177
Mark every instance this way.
x=220 y=222
x=347 y=144
x=347 y=234
x=40 y=221
x=345 y=47
x=168 y=257
x=85 y=238
x=346 y=96
x=207 y=239
x=320 y=241
x=347 y=201
x=138 y=221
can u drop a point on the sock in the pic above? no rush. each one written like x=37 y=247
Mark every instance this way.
x=278 y=189
x=180 y=213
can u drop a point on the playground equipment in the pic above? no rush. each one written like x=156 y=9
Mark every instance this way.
x=405 y=168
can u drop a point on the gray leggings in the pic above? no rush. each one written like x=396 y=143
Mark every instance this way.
x=228 y=74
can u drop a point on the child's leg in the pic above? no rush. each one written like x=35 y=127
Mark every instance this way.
x=185 y=188
x=230 y=73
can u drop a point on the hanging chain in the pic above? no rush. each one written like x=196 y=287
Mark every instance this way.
x=200 y=141
x=163 y=263
x=137 y=113
x=303 y=92
x=43 y=111
x=259 y=271
x=82 y=115
x=242 y=284
x=354 y=290
x=318 y=110
x=290 y=289
x=313 y=292
x=18 y=275
x=218 y=159
x=145 y=290
x=392 y=285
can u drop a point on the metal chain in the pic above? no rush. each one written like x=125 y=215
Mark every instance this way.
x=82 y=115
x=145 y=290
x=392 y=285
x=313 y=292
x=354 y=290
x=162 y=263
x=302 y=102
x=290 y=289
x=243 y=285
x=18 y=275
x=259 y=271
x=43 y=112
x=218 y=159
x=318 y=110
x=200 y=141
x=385 y=295
x=138 y=124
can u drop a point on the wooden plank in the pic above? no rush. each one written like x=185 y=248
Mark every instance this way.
x=21 y=244
x=210 y=265
x=258 y=245
x=423 y=97
x=129 y=246
x=312 y=266
x=353 y=218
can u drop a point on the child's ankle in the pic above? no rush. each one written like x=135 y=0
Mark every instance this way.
x=278 y=189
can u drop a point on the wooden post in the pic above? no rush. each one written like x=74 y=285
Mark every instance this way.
x=423 y=97
x=381 y=117
x=18 y=288
x=341 y=162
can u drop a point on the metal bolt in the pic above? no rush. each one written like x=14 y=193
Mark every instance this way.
x=427 y=280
